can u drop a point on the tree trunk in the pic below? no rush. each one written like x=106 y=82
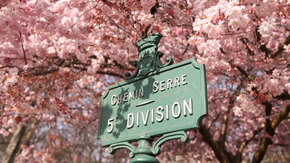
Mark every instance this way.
x=20 y=136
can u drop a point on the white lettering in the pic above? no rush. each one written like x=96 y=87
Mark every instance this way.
x=169 y=84
x=167 y=112
x=187 y=106
x=177 y=82
x=136 y=94
x=155 y=86
x=145 y=118
x=119 y=99
x=113 y=101
x=159 y=111
x=162 y=85
x=174 y=114
x=141 y=92
x=131 y=96
x=111 y=125
x=137 y=119
x=158 y=114
x=183 y=78
x=125 y=98
x=130 y=120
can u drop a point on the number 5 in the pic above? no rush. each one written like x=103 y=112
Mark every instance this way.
x=110 y=124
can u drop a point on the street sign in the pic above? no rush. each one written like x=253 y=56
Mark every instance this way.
x=172 y=99
x=158 y=100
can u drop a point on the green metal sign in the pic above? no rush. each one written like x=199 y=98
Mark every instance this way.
x=159 y=99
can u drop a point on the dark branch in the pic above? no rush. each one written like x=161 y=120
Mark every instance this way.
x=22 y=46
x=14 y=144
x=216 y=118
x=153 y=10
x=242 y=146
x=221 y=153
x=258 y=35
x=282 y=115
x=111 y=73
x=264 y=49
x=4 y=142
x=224 y=127
x=244 y=72
x=280 y=48
x=245 y=42
x=270 y=131
x=145 y=32
x=284 y=96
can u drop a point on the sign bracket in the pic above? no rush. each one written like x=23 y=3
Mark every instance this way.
x=127 y=145
x=145 y=152
x=174 y=135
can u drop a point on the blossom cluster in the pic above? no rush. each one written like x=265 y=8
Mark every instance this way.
x=58 y=57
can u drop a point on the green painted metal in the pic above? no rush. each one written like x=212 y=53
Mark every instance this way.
x=126 y=145
x=158 y=99
x=149 y=56
x=128 y=108
x=143 y=153
x=169 y=136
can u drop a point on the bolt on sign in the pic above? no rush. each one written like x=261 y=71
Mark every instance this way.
x=158 y=100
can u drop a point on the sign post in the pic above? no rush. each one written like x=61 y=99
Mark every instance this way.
x=159 y=100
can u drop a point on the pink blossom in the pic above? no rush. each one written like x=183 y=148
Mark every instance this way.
x=58 y=57
x=100 y=85
x=10 y=122
x=266 y=27
x=3 y=132
x=147 y=5
x=210 y=47
x=196 y=40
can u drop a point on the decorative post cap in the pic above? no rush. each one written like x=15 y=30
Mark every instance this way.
x=149 y=56
x=149 y=41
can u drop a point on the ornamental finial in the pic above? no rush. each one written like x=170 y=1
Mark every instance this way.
x=149 y=56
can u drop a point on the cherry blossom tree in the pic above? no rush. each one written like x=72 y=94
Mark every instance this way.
x=58 y=56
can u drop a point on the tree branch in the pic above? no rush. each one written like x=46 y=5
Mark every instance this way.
x=221 y=153
x=4 y=142
x=280 y=48
x=242 y=146
x=282 y=115
x=22 y=46
x=14 y=144
x=284 y=96
x=111 y=73
x=216 y=118
x=224 y=128
x=245 y=42
x=244 y=73
x=270 y=131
